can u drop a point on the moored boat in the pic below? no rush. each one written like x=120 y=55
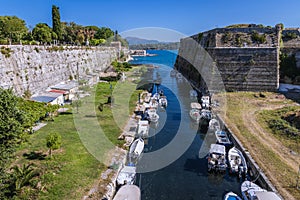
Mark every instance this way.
x=222 y=138
x=153 y=116
x=173 y=73
x=163 y=101
x=217 y=158
x=137 y=147
x=237 y=162
x=127 y=175
x=128 y=192
x=143 y=128
x=214 y=125
x=205 y=114
x=193 y=94
x=205 y=101
x=195 y=111
x=231 y=196
x=249 y=190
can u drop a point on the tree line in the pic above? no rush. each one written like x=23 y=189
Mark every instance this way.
x=13 y=30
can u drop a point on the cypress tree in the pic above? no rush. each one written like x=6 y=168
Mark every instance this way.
x=56 y=24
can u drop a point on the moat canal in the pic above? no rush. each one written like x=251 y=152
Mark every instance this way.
x=174 y=165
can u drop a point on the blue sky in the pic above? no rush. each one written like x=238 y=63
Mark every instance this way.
x=186 y=17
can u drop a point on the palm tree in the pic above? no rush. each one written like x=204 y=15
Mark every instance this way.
x=22 y=176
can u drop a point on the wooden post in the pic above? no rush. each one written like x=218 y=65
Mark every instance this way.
x=298 y=176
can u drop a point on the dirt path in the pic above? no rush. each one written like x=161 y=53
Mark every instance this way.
x=267 y=139
x=272 y=143
x=242 y=116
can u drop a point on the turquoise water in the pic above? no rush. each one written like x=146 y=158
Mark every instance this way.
x=173 y=165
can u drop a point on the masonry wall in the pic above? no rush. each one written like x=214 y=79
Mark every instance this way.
x=35 y=68
x=229 y=68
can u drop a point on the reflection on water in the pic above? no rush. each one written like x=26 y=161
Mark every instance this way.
x=187 y=176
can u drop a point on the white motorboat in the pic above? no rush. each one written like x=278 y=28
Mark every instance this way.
x=179 y=76
x=205 y=100
x=156 y=96
x=266 y=195
x=137 y=147
x=222 y=138
x=195 y=111
x=193 y=94
x=153 y=116
x=163 y=101
x=195 y=115
x=249 y=190
x=153 y=103
x=173 y=73
x=129 y=192
x=217 y=158
x=237 y=161
x=143 y=128
x=214 y=125
x=127 y=175
x=231 y=196
x=205 y=114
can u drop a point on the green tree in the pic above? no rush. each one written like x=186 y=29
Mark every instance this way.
x=12 y=28
x=42 y=33
x=11 y=132
x=104 y=33
x=53 y=141
x=56 y=24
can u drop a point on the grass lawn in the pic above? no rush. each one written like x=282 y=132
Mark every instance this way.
x=86 y=138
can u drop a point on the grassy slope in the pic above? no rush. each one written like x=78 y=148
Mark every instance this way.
x=280 y=174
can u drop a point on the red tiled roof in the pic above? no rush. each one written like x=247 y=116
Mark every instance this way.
x=58 y=91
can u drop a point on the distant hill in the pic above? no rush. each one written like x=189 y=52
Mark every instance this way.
x=136 y=40
x=168 y=46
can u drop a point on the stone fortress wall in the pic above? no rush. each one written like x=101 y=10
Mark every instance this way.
x=35 y=68
x=247 y=58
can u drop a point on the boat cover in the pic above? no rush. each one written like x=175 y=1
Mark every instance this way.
x=217 y=148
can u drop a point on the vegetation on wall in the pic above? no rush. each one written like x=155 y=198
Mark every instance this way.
x=288 y=68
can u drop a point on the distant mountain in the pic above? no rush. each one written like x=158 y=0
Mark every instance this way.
x=136 y=40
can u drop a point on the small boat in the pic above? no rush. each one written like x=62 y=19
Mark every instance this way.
x=266 y=195
x=137 y=147
x=222 y=138
x=173 y=73
x=193 y=94
x=205 y=100
x=250 y=189
x=179 y=76
x=143 y=128
x=214 y=125
x=156 y=96
x=205 y=114
x=127 y=175
x=231 y=196
x=153 y=116
x=195 y=114
x=163 y=101
x=129 y=192
x=237 y=162
x=217 y=158
x=195 y=111
x=153 y=103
